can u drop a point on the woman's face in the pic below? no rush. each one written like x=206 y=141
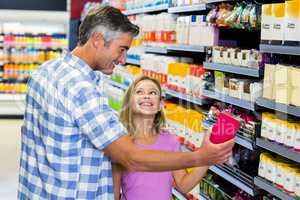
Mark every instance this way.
x=145 y=98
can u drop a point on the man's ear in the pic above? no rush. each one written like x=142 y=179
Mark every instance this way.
x=97 y=40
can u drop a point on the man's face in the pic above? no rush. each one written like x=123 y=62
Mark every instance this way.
x=114 y=53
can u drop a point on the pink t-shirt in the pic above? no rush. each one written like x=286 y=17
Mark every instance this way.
x=151 y=185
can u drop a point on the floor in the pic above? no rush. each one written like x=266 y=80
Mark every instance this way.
x=10 y=138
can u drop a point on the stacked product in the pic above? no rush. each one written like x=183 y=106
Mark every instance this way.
x=280 y=23
x=242 y=88
x=284 y=174
x=281 y=84
x=186 y=123
x=125 y=75
x=158 y=30
x=195 y=30
x=281 y=131
x=115 y=96
x=237 y=57
x=157 y=66
x=136 y=49
x=241 y=16
x=185 y=78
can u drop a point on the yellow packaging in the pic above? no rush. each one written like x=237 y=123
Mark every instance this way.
x=290 y=134
x=292 y=20
x=262 y=168
x=297 y=138
x=290 y=179
x=282 y=83
x=278 y=23
x=295 y=84
x=266 y=22
x=297 y=184
x=269 y=81
x=271 y=169
x=280 y=130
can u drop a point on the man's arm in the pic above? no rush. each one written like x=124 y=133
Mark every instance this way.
x=133 y=158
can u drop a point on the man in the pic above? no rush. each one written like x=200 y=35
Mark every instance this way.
x=70 y=134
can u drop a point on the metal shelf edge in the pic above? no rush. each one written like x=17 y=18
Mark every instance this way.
x=233 y=69
x=263 y=184
x=292 y=110
x=279 y=149
x=231 y=100
x=233 y=180
x=190 y=8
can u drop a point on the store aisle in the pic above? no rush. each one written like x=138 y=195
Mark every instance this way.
x=10 y=140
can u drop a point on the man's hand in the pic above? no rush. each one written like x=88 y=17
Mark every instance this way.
x=211 y=154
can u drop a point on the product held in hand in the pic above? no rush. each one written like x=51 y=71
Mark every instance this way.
x=224 y=129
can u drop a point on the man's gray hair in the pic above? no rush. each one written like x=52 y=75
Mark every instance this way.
x=107 y=20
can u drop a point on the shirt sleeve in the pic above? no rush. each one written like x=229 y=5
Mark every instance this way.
x=95 y=118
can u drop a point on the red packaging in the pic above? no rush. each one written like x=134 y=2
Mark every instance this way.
x=224 y=129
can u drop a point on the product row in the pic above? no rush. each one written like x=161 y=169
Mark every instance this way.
x=281 y=172
x=281 y=131
x=282 y=84
x=238 y=57
x=241 y=88
x=13 y=88
x=18 y=71
x=280 y=23
x=27 y=55
x=35 y=41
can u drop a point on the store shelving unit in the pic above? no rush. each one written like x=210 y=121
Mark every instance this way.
x=159 y=50
x=247 y=71
x=188 y=8
x=178 y=195
x=231 y=100
x=288 y=109
x=116 y=84
x=239 y=139
x=235 y=180
x=133 y=61
x=267 y=186
x=278 y=149
x=280 y=49
x=185 y=97
x=157 y=8
x=12 y=104
x=186 y=48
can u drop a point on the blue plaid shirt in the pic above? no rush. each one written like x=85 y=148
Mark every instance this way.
x=67 y=124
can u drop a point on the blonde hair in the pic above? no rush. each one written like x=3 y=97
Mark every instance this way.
x=126 y=116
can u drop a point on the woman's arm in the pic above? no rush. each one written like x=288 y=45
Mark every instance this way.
x=117 y=174
x=185 y=182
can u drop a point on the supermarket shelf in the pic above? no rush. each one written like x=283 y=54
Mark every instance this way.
x=267 y=186
x=178 y=195
x=160 y=50
x=279 y=149
x=234 y=69
x=234 y=180
x=292 y=110
x=231 y=100
x=239 y=139
x=185 y=97
x=185 y=48
x=147 y=9
x=133 y=61
x=190 y=8
x=116 y=84
x=12 y=104
x=280 y=49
